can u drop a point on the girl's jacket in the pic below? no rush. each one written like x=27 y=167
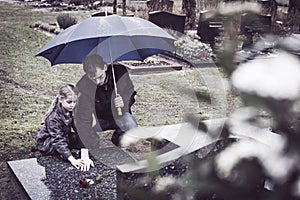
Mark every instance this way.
x=53 y=137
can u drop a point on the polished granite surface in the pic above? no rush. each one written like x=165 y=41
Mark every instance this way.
x=50 y=177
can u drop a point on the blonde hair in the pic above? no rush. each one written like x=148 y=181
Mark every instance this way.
x=64 y=91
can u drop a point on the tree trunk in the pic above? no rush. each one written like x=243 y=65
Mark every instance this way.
x=189 y=9
x=115 y=6
x=124 y=7
x=160 y=5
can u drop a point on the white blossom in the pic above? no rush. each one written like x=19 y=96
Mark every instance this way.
x=275 y=164
x=276 y=76
x=163 y=182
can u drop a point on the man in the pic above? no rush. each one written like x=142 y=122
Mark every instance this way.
x=98 y=104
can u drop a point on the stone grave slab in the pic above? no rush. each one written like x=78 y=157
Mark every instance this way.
x=169 y=20
x=254 y=23
x=164 y=65
x=190 y=139
x=175 y=168
x=49 y=177
x=209 y=28
x=186 y=136
x=190 y=142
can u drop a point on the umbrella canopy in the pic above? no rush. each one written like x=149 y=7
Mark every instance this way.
x=113 y=37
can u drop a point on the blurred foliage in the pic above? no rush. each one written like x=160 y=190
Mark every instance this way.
x=249 y=169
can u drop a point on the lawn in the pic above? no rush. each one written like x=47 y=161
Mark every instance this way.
x=29 y=83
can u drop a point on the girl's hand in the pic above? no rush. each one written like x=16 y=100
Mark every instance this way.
x=87 y=162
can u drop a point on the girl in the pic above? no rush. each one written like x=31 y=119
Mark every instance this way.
x=56 y=135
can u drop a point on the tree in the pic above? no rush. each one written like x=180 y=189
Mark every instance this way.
x=124 y=7
x=115 y=6
x=189 y=8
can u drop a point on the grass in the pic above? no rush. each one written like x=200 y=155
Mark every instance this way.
x=28 y=84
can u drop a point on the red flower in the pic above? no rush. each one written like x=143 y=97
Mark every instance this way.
x=84 y=183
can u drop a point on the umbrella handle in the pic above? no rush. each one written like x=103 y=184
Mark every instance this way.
x=119 y=111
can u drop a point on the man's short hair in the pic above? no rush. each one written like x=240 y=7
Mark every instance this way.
x=91 y=63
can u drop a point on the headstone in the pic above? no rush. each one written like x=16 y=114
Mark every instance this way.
x=103 y=14
x=168 y=20
x=254 y=23
x=209 y=29
x=160 y=5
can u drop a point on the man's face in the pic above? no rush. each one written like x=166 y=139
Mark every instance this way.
x=99 y=77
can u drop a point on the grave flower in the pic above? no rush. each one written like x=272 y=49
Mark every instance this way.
x=86 y=182
x=193 y=49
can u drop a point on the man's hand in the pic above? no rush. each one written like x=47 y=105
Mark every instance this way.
x=119 y=102
x=77 y=163
x=86 y=160
x=87 y=165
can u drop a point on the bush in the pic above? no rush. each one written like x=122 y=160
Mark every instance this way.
x=65 y=20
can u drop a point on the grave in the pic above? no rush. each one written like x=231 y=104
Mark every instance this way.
x=168 y=20
x=209 y=29
x=160 y=5
x=252 y=24
x=164 y=64
x=190 y=142
x=49 y=177
x=101 y=14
